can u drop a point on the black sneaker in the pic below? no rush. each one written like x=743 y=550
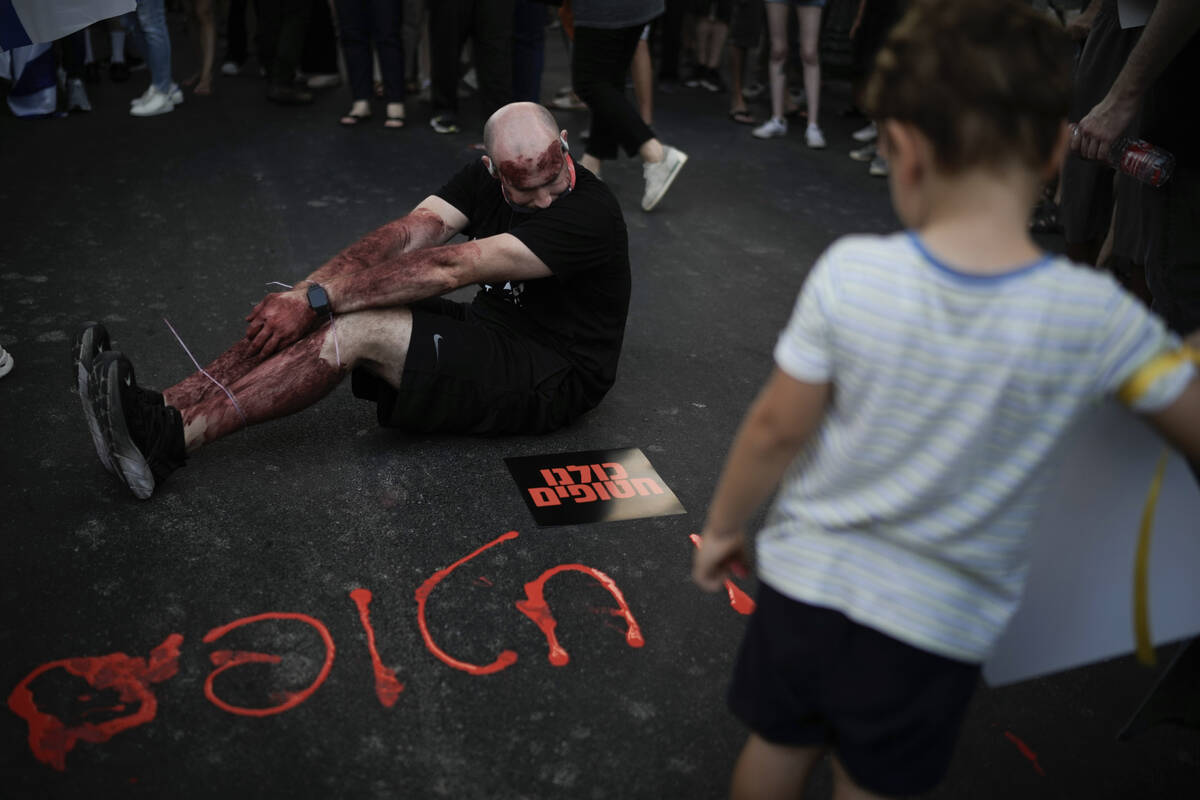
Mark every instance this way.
x=145 y=437
x=444 y=123
x=118 y=72
x=289 y=95
x=88 y=345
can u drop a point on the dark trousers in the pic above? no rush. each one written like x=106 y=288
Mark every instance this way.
x=599 y=62
x=235 y=32
x=670 y=26
x=284 y=24
x=320 y=42
x=382 y=21
x=490 y=24
x=529 y=50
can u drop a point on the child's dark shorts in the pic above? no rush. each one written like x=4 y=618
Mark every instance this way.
x=809 y=676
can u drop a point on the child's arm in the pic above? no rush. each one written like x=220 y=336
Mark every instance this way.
x=782 y=418
x=1179 y=423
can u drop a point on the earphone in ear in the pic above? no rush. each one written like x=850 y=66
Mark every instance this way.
x=491 y=168
x=563 y=141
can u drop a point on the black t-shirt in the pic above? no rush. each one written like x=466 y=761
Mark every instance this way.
x=579 y=311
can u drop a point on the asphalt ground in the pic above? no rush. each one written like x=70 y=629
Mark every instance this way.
x=188 y=216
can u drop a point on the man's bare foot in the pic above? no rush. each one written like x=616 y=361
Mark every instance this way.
x=204 y=86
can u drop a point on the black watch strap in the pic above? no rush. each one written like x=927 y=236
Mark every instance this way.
x=318 y=300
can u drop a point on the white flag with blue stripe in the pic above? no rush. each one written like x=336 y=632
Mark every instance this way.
x=25 y=22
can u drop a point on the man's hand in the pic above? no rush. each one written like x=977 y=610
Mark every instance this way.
x=718 y=556
x=1093 y=137
x=280 y=320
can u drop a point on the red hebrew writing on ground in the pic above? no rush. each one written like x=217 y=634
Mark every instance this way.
x=51 y=739
x=225 y=660
x=387 y=687
x=535 y=607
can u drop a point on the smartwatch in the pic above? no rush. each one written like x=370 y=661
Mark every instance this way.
x=318 y=300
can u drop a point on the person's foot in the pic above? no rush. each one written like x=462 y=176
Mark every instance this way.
x=360 y=110
x=866 y=134
x=660 y=175
x=444 y=123
x=712 y=81
x=91 y=72
x=231 y=68
x=89 y=344
x=567 y=102
x=153 y=103
x=879 y=167
x=145 y=438
x=118 y=72
x=865 y=153
x=324 y=81
x=753 y=90
x=77 y=99
x=742 y=116
x=175 y=93
x=289 y=95
x=6 y=362
x=814 y=138
x=771 y=129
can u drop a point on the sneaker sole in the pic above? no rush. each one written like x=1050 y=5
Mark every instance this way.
x=132 y=467
x=89 y=344
x=667 y=183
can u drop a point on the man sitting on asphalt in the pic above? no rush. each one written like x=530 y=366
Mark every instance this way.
x=537 y=347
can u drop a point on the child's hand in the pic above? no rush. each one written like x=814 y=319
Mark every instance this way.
x=717 y=556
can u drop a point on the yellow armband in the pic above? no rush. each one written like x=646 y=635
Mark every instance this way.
x=1140 y=382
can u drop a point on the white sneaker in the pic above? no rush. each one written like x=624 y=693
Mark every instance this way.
x=156 y=103
x=864 y=153
x=230 y=68
x=6 y=362
x=324 y=81
x=879 y=167
x=771 y=129
x=867 y=134
x=176 y=95
x=77 y=99
x=814 y=138
x=659 y=176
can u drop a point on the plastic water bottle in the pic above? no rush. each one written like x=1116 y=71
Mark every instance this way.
x=1142 y=161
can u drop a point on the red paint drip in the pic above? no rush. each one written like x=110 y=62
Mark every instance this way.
x=482 y=581
x=387 y=688
x=1025 y=751
x=741 y=602
x=225 y=660
x=50 y=739
x=536 y=608
x=506 y=659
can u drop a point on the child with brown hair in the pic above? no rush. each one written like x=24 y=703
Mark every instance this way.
x=920 y=387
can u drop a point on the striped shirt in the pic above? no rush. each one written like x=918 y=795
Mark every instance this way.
x=909 y=508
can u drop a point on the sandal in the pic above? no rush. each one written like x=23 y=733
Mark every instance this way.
x=394 y=121
x=742 y=117
x=350 y=119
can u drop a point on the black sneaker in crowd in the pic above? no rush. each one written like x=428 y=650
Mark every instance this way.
x=145 y=437
x=88 y=345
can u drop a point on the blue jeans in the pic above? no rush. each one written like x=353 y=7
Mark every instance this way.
x=152 y=18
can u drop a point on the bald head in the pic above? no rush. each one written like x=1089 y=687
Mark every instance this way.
x=519 y=131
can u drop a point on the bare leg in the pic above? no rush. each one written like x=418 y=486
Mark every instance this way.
x=844 y=787
x=203 y=10
x=777 y=26
x=717 y=34
x=737 y=67
x=810 y=31
x=766 y=771
x=298 y=376
x=643 y=81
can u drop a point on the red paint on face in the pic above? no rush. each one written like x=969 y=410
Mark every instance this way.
x=536 y=608
x=50 y=739
x=526 y=173
x=1025 y=751
x=387 y=688
x=741 y=602
x=225 y=660
x=506 y=659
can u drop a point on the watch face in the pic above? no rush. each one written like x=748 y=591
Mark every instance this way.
x=317 y=298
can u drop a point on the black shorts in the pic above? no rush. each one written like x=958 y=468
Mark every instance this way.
x=746 y=28
x=463 y=374
x=809 y=676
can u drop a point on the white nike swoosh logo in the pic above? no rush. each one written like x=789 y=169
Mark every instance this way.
x=437 y=338
x=129 y=380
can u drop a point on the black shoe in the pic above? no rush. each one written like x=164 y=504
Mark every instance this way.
x=88 y=345
x=289 y=95
x=118 y=72
x=91 y=73
x=712 y=81
x=444 y=123
x=145 y=437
